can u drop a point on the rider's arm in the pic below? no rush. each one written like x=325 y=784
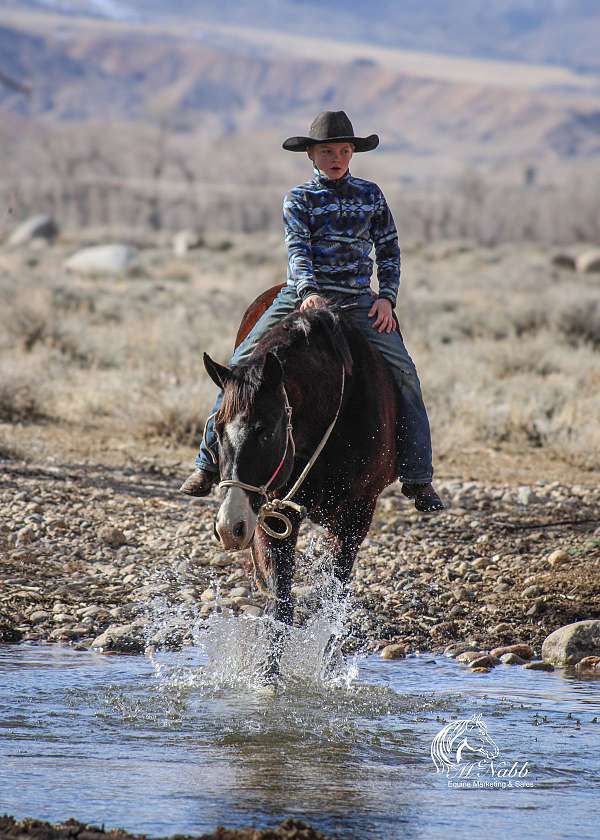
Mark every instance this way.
x=297 y=240
x=387 y=250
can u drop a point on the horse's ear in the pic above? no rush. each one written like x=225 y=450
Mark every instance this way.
x=219 y=374
x=272 y=372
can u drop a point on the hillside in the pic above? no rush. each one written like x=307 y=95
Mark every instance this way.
x=547 y=31
x=227 y=81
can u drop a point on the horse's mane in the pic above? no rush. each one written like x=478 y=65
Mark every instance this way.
x=317 y=325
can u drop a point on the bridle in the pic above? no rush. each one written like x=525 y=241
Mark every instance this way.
x=271 y=508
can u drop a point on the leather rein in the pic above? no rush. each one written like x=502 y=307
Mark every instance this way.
x=272 y=508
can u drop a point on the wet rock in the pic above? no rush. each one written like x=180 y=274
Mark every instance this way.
x=454 y=650
x=480 y=670
x=9 y=635
x=485 y=661
x=470 y=655
x=520 y=649
x=103 y=259
x=393 y=652
x=112 y=536
x=512 y=659
x=123 y=638
x=68 y=634
x=570 y=644
x=37 y=227
x=251 y=610
x=239 y=592
x=538 y=665
x=589 y=663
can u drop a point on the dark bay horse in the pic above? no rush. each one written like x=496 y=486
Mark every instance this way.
x=310 y=371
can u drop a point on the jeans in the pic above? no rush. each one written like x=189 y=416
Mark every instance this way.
x=414 y=455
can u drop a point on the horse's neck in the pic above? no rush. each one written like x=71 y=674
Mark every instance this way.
x=314 y=392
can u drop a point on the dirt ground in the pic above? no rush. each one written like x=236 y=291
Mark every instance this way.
x=88 y=543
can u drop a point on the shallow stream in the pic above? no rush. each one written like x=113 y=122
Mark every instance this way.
x=181 y=742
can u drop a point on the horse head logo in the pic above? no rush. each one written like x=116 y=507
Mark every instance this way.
x=460 y=741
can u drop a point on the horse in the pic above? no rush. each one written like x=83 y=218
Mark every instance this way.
x=468 y=736
x=313 y=415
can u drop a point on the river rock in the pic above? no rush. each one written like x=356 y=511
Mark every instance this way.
x=589 y=663
x=569 y=644
x=393 y=652
x=485 y=661
x=454 y=650
x=512 y=659
x=251 y=610
x=470 y=655
x=538 y=665
x=522 y=650
x=123 y=638
x=37 y=227
x=588 y=261
x=103 y=259
x=9 y=635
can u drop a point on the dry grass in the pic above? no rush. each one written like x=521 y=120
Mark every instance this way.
x=507 y=345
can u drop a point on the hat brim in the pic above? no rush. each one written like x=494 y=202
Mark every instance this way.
x=361 y=144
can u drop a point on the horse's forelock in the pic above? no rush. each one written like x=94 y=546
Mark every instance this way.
x=240 y=392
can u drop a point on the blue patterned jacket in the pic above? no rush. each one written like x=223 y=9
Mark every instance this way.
x=330 y=227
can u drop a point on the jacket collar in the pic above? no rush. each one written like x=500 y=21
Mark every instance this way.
x=320 y=179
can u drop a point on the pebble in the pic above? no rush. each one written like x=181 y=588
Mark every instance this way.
x=208 y=594
x=559 y=557
x=112 y=536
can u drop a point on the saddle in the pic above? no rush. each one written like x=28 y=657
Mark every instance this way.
x=260 y=305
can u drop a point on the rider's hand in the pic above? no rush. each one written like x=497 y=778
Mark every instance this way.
x=384 y=320
x=313 y=302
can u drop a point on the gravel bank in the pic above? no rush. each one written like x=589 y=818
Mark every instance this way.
x=11 y=829
x=91 y=550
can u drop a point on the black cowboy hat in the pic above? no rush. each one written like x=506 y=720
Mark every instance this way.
x=331 y=127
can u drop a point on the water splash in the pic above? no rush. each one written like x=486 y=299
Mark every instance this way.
x=230 y=651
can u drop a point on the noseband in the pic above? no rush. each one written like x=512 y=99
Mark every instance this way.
x=271 y=508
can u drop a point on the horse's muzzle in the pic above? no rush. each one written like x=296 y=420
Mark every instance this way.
x=236 y=521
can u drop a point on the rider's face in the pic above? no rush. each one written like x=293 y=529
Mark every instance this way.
x=332 y=159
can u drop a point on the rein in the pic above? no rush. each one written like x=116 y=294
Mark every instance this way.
x=272 y=508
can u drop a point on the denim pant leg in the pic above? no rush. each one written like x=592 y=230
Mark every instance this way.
x=285 y=302
x=414 y=455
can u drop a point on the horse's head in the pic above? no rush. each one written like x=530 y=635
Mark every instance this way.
x=477 y=739
x=252 y=431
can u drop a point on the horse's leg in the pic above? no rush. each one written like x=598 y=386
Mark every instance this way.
x=274 y=565
x=346 y=530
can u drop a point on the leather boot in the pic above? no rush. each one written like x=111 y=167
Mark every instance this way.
x=425 y=498
x=199 y=483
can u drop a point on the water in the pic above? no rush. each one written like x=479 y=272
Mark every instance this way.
x=180 y=742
